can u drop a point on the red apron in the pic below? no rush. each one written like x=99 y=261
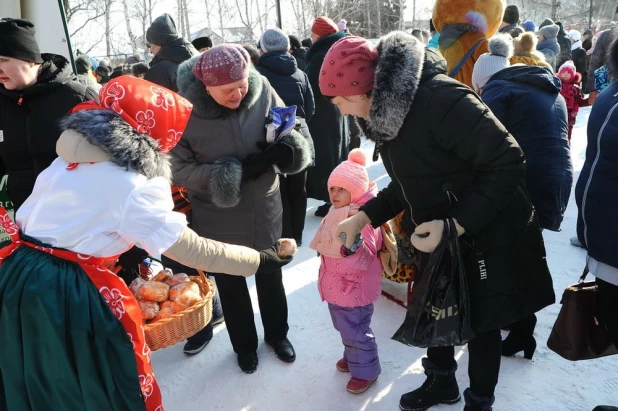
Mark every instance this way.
x=120 y=300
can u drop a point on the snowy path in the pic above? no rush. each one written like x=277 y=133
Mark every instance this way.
x=212 y=380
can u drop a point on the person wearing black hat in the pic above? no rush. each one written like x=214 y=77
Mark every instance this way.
x=169 y=51
x=83 y=67
x=202 y=44
x=36 y=90
x=298 y=51
x=510 y=21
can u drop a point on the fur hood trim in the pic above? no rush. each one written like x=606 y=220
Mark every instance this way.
x=192 y=88
x=397 y=77
x=125 y=147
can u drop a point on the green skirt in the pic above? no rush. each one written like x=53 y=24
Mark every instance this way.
x=61 y=348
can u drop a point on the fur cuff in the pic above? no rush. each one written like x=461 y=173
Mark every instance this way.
x=225 y=182
x=301 y=153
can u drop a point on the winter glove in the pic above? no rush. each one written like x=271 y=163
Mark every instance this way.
x=257 y=165
x=349 y=229
x=428 y=235
x=270 y=262
x=346 y=252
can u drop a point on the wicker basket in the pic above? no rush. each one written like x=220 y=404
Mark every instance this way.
x=182 y=325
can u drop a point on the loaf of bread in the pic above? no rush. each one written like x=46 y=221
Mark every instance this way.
x=163 y=313
x=166 y=304
x=163 y=275
x=136 y=284
x=189 y=299
x=179 y=289
x=153 y=291
x=286 y=247
x=150 y=309
x=177 y=279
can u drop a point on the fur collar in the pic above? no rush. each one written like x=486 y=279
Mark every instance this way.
x=192 y=88
x=397 y=77
x=125 y=147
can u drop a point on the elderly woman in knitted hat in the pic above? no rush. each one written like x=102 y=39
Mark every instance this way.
x=228 y=169
x=548 y=42
x=448 y=157
x=71 y=330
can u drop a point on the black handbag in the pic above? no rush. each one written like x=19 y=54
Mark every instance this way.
x=579 y=332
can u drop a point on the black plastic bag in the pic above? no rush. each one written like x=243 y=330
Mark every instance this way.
x=439 y=311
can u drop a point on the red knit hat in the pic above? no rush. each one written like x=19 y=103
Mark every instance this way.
x=222 y=64
x=348 y=68
x=351 y=175
x=323 y=26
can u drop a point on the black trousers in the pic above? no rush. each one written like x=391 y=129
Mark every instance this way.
x=294 y=200
x=485 y=352
x=238 y=311
x=608 y=306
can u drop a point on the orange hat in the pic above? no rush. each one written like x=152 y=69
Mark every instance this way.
x=323 y=26
x=148 y=108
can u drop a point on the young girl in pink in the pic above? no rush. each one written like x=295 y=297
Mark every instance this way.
x=351 y=284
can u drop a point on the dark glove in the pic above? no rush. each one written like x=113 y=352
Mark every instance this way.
x=346 y=252
x=257 y=165
x=270 y=262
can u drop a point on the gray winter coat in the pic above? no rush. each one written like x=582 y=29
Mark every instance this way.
x=208 y=161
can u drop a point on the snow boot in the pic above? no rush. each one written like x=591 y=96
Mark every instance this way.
x=575 y=241
x=357 y=386
x=440 y=387
x=342 y=365
x=521 y=338
x=605 y=408
x=476 y=402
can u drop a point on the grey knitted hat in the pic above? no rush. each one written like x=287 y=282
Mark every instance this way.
x=274 y=40
x=550 y=31
x=162 y=31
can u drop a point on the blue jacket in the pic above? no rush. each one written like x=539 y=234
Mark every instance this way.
x=597 y=188
x=527 y=101
x=289 y=82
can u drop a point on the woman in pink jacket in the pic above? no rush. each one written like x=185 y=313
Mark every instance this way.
x=350 y=280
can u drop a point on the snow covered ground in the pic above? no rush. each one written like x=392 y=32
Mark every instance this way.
x=211 y=380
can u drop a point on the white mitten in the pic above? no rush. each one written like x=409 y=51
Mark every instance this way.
x=427 y=236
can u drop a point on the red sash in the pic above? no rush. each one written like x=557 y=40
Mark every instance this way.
x=120 y=300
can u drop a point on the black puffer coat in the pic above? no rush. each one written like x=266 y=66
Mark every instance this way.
x=329 y=129
x=447 y=155
x=164 y=66
x=30 y=123
x=290 y=83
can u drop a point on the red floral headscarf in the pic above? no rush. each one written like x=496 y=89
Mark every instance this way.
x=148 y=108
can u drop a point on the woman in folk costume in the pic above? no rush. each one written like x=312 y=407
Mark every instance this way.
x=71 y=331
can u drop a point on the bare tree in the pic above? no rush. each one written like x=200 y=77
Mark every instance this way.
x=187 y=33
x=108 y=30
x=127 y=20
x=225 y=16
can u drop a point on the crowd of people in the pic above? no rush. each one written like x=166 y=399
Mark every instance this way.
x=170 y=158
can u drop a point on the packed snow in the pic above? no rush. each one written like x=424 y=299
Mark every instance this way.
x=212 y=380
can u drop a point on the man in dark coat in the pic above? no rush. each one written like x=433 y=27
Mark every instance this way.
x=329 y=129
x=169 y=51
x=36 y=90
x=565 y=46
x=447 y=156
x=298 y=51
x=292 y=85
x=510 y=20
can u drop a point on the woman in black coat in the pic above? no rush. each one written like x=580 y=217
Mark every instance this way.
x=329 y=128
x=447 y=156
x=292 y=85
